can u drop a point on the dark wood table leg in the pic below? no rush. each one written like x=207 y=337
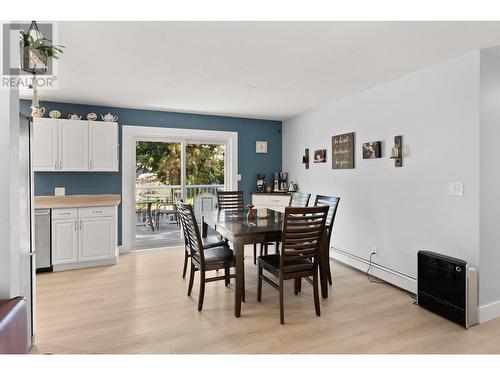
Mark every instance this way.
x=323 y=266
x=238 y=295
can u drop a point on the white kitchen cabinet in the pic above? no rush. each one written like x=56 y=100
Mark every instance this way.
x=45 y=145
x=73 y=145
x=96 y=238
x=83 y=237
x=102 y=137
x=64 y=241
x=273 y=201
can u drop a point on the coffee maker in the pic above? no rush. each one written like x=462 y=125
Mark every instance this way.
x=276 y=182
x=283 y=181
x=261 y=183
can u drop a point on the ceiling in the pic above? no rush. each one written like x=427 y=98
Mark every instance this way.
x=268 y=70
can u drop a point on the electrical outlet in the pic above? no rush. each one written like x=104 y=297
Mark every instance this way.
x=59 y=191
x=374 y=251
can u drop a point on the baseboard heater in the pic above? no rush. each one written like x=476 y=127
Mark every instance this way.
x=448 y=287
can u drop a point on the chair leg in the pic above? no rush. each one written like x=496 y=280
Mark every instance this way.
x=191 y=279
x=296 y=284
x=299 y=285
x=202 y=290
x=185 y=264
x=261 y=249
x=329 y=273
x=266 y=249
x=282 y=302
x=226 y=273
x=316 y=292
x=254 y=253
x=259 y=283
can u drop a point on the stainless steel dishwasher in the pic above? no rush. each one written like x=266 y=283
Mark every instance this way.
x=42 y=241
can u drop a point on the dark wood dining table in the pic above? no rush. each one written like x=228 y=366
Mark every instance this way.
x=234 y=226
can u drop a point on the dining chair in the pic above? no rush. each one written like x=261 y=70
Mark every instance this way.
x=230 y=200
x=204 y=259
x=207 y=242
x=300 y=250
x=296 y=200
x=332 y=203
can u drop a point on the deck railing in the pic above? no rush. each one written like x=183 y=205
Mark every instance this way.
x=202 y=197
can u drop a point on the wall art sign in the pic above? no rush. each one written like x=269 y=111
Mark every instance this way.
x=343 y=151
x=320 y=156
x=372 y=150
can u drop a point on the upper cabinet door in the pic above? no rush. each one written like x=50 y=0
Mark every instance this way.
x=73 y=140
x=45 y=145
x=103 y=146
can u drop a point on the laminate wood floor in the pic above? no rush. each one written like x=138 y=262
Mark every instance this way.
x=140 y=306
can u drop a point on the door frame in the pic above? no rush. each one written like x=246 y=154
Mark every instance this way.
x=132 y=133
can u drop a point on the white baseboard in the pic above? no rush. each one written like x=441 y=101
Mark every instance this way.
x=489 y=311
x=381 y=272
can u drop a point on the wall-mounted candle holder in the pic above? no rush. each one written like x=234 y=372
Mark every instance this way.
x=397 y=151
x=305 y=158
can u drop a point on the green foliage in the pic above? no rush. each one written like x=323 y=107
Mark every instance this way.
x=204 y=162
x=41 y=44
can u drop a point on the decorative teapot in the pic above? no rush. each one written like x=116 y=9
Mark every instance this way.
x=74 y=116
x=37 y=111
x=109 y=117
x=91 y=116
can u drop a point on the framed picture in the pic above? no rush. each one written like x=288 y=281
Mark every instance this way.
x=320 y=156
x=261 y=147
x=343 y=151
x=372 y=150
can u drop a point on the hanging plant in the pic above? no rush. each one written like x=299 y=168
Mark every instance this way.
x=35 y=51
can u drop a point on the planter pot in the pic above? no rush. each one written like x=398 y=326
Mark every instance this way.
x=33 y=61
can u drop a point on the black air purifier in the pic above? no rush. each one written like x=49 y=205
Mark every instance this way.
x=447 y=286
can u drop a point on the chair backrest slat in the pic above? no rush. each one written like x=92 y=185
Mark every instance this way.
x=230 y=200
x=191 y=231
x=332 y=203
x=302 y=232
x=300 y=199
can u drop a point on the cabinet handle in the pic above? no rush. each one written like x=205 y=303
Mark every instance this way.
x=97 y=212
x=55 y=167
x=80 y=225
x=91 y=164
x=76 y=224
x=60 y=164
x=65 y=213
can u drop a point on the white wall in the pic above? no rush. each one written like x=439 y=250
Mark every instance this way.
x=489 y=255
x=400 y=210
x=9 y=192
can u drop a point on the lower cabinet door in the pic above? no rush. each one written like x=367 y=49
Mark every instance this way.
x=64 y=241
x=97 y=238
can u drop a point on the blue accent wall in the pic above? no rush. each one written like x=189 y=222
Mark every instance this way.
x=249 y=162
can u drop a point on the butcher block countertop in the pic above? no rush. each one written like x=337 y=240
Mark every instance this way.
x=75 y=201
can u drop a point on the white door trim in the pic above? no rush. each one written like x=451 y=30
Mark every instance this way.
x=131 y=133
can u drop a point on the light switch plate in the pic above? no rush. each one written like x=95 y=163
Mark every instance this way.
x=60 y=191
x=456 y=188
x=239 y=177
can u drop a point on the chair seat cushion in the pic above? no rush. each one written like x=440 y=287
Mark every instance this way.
x=212 y=241
x=219 y=254
x=273 y=260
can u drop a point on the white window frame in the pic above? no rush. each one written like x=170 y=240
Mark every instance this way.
x=132 y=133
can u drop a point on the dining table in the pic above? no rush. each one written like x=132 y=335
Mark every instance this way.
x=236 y=228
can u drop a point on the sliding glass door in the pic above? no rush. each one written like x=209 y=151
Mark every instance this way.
x=167 y=171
